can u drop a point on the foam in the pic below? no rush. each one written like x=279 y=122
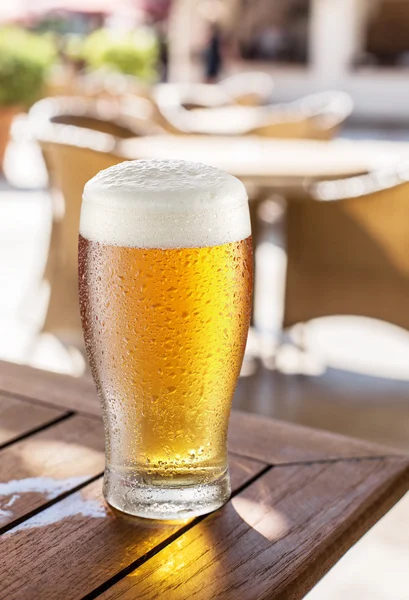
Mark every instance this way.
x=164 y=204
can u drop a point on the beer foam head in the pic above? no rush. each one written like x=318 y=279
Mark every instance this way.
x=164 y=204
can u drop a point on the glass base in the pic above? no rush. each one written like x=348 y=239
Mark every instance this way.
x=165 y=503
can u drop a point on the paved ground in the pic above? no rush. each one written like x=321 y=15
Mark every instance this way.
x=354 y=377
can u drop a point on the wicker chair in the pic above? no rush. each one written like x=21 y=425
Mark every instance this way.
x=70 y=167
x=348 y=250
x=243 y=89
x=73 y=154
x=314 y=117
x=318 y=117
x=252 y=88
x=112 y=117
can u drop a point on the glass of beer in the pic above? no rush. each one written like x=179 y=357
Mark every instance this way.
x=165 y=285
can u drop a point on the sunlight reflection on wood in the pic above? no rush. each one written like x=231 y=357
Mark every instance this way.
x=187 y=557
x=267 y=521
x=40 y=451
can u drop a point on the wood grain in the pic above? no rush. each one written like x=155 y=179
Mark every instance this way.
x=47 y=464
x=249 y=435
x=62 y=391
x=276 y=538
x=277 y=442
x=73 y=547
x=18 y=417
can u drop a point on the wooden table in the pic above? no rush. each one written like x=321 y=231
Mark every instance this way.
x=300 y=499
x=268 y=162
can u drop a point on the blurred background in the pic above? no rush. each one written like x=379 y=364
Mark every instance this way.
x=307 y=102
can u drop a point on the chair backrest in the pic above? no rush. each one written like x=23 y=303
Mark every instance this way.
x=318 y=116
x=289 y=128
x=94 y=123
x=171 y=104
x=348 y=251
x=70 y=167
x=106 y=116
x=252 y=88
x=246 y=89
x=314 y=117
x=73 y=154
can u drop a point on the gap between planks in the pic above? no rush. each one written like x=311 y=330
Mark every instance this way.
x=46 y=505
x=69 y=413
x=150 y=554
x=154 y=551
x=350 y=536
x=318 y=461
x=267 y=467
x=169 y=540
x=38 y=429
x=35 y=511
x=46 y=403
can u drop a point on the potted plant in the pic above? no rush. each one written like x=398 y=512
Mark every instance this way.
x=24 y=61
x=133 y=53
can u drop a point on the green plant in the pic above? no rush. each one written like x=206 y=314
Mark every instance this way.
x=133 y=53
x=24 y=61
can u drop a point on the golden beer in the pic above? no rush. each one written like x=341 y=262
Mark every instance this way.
x=165 y=332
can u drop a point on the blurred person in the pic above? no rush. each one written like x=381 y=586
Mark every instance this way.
x=163 y=43
x=212 y=55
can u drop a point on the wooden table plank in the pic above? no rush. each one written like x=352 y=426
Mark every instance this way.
x=284 y=529
x=50 y=463
x=250 y=435
x=18 y=418
x=77 y=544
x=276 y=538
x=63 y=391
x=277 y=442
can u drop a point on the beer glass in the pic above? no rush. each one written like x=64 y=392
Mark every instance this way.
x=165 y=286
